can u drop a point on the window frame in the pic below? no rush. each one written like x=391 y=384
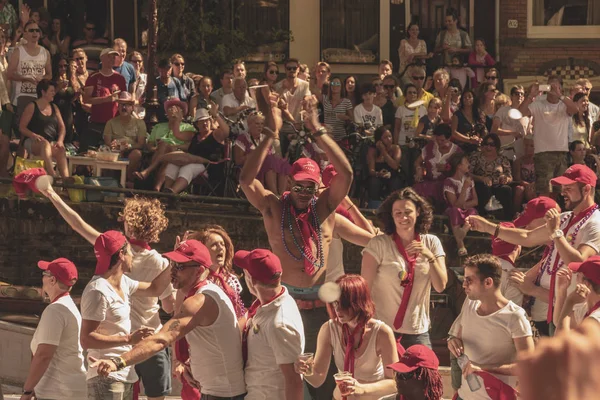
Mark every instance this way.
x=378 y=57
x=559 y=32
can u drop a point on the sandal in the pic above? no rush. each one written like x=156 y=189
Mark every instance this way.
x=462 y=252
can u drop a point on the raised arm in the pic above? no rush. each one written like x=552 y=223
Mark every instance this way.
x=71 y=217
x=157 y=286
x=350 y=232
x=521 y=237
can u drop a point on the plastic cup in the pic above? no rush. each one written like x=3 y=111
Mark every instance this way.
x=309 y=359
x=340 y=380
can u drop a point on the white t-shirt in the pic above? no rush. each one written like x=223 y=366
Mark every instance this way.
x=364 y=117
x=410 y=121
x=589 y=234
x=294 y=100
x=100 y=302
x=147 y=265
x=229 y=100
x=488 y=340
x=59 y=326
x=275 y=337
x=387 y=290
x=216 y=350
x=550 y=126
x=580 y=310
x=508 y=290
x=515 y=125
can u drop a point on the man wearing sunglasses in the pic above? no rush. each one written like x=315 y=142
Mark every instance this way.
x=178 y=66
x=207 y=321
x=417 y=76
x=293 y=91
x=299 y=225
x=511 y=130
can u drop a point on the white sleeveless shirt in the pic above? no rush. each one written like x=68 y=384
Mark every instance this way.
x=29 y=66
x=216 y=350
x=368 y=367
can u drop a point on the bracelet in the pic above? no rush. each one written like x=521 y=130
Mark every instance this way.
x=320 y=132
x=497 y=231
x=27 y=392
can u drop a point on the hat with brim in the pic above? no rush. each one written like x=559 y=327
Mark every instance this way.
x=178 y=103
x=125 y=98
x=108 y=52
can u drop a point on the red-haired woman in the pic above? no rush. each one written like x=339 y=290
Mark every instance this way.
x=360 y=345
x=402 y=266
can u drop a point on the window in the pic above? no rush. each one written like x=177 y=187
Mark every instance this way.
x=267 y=24
x=563 y=19
x=350 y=31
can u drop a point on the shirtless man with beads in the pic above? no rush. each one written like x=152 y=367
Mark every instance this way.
x=299 y=225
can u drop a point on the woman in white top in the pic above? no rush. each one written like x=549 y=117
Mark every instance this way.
x=360 y=344
x=139 y=87
x=402 y=265
x=28 y=64
x=412 y=49
x=57 y=370
x=582 y=124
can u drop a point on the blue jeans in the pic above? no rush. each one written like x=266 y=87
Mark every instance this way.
x=409 y=340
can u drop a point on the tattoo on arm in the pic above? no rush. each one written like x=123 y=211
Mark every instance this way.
x=174 y=326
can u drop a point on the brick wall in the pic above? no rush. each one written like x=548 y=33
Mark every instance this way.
x=521 y=56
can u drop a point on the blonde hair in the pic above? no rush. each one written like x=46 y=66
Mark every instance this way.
x=501 y=100
x=442 y=73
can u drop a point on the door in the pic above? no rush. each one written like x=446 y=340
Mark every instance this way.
x=397 y=30
x=485 y=24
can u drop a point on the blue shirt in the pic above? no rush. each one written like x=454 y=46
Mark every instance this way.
x=128 y=72
x=167 y=92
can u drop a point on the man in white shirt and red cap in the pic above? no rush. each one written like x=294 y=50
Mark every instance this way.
x=273 y=337
x=208 y=322
x=583 y=302
x=575 y=235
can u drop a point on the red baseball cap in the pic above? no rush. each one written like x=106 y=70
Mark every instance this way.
x=25 y=181
x=534 y=209
x=414 y=357
x=106 y=245
x=499 y=246
x=62 y=269
x=191 y=250
x=590 y=268
x=576 y=173
x=261 y=264
x=305 y=169
x=328 y=173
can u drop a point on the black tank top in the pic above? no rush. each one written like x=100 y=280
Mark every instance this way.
x=44 y=125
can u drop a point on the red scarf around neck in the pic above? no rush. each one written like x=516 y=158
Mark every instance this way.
x=408 y=281
x=574 y=219
x=140 y=243
x=251 y=313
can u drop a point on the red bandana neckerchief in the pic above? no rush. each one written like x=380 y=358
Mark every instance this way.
x=220 y=281
x=591 y=310
x=307 y=231
x=574 y=219
x=182 y=349
x=59 y=296
x=140 y=243
x=350 y=351
x=251 y=313
x=408 y=281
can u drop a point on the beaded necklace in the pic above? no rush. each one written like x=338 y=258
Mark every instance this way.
x=311 y=262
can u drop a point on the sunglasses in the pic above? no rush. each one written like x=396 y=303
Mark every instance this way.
x=34 y=30
x=137 y=61
x=177 y=267
x=291 y=68
x=304 y=189
x=177 y=64
x=335 y=84
x=389 y=86
x=490 y=144
x=405 y=377
x=87 y=28
x=272 y=72
x=418 y=78
x=491 y=77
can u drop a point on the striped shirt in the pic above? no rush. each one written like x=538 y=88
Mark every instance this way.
x=334 y=123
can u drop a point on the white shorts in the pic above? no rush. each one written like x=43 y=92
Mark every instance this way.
x=187 y=172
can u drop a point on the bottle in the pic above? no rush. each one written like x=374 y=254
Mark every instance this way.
x=472 y=380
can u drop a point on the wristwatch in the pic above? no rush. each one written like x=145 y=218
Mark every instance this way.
x=557 y=234
x=27 y=392
x=119 y=362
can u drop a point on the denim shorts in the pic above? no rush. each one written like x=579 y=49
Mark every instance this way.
x=409 y=340
x=155 y=374
x=107 y=388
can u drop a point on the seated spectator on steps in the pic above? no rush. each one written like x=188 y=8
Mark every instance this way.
x=430 y=167
x=492 y=174
x=461 y=198
x=523 y=171
x=127 y=134
x=274 y=169
x=239 y=100
x=576 y=152
x=383 y=160
x=43 y=130
x=187 y=83
x=202 y=98
x=167 y=137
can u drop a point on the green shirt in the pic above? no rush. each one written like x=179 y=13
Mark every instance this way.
x=162 y=132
